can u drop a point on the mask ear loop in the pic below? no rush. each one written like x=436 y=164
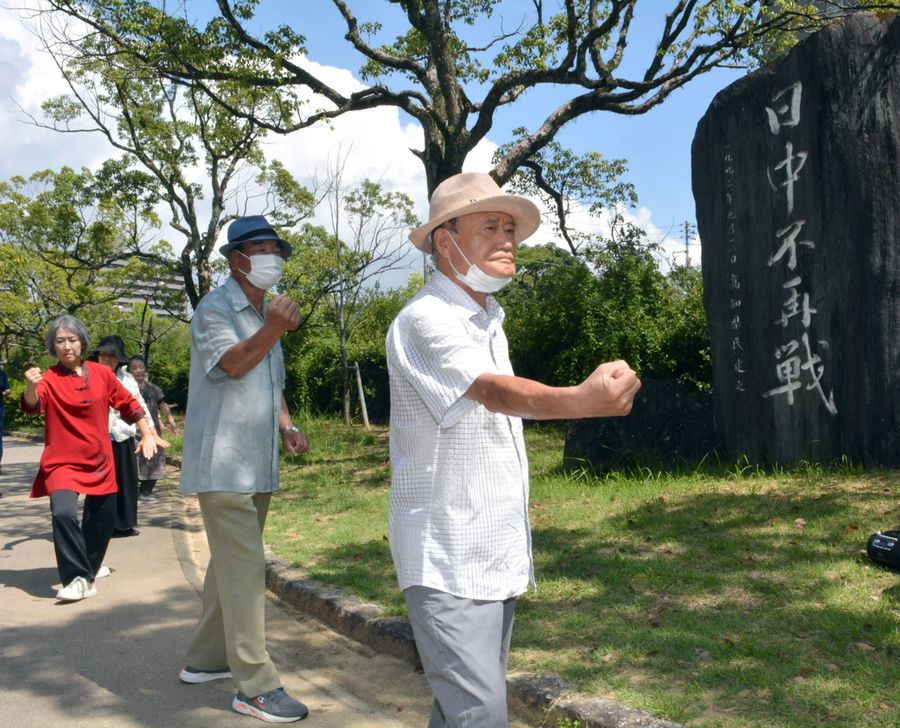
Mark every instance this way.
x=243 y=255
x=459 y=250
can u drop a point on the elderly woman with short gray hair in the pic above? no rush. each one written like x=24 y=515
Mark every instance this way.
x=75 y=396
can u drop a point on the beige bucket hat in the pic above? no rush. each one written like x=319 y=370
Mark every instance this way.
x=463 y=194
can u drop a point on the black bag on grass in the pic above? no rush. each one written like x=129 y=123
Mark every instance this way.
x=884 y=549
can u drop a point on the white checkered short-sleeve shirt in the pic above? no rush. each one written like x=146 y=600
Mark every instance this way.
x=458 y=517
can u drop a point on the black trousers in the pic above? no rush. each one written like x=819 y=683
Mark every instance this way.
x=127 y=481
x=80 y=548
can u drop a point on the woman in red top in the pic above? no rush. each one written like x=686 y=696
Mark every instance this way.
x=75 y=397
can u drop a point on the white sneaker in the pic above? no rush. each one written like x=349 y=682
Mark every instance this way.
x=102 y=572
x=78 y=588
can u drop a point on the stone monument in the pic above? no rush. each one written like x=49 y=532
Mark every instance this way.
x=796 y=177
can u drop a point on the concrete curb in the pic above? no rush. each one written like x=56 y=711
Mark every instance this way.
x=541 y=700
x=30 y=436
x=343 y=612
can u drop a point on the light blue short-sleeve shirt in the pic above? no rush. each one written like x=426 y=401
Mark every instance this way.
x=458 y=518
x=231 y=424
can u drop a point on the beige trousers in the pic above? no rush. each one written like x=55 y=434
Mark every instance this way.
x=232 y=627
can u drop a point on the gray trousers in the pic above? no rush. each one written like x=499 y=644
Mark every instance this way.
x=464 y=646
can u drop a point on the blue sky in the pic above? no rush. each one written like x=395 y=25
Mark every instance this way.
x=656 y=145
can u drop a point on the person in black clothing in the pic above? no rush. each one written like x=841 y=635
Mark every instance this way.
x=111 y=352
x=149 y=471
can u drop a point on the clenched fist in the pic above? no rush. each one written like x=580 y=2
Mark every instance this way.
x=610 y=389
x=295 y=442
x=283 y=314
x=33 y=376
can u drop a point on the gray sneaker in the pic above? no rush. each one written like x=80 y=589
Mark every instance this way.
x=194 y=676
x=275 y=706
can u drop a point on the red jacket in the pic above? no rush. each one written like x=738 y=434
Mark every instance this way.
x=77 y=451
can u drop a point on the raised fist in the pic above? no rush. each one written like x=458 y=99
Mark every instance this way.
x=282 y=313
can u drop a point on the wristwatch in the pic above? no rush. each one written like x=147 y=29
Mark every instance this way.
x=290 y=428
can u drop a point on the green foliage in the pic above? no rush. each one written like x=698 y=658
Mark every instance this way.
x=76 y=242
x=312 y=356
x=420 y=45
x=167 y=130
x=169 y=366
x=368 y=344
x=312 y=360
x=546 y=309
x=567 y=723
x=289 y=201
x=15 y=418
x=366 y=238
x=560 y=179
x=565 y=315
x=165 y=344
x=628 y=316
x=69 y=243
x=541 y=44
x=685 y=339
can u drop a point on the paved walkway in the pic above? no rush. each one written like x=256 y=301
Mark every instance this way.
x=113 y=660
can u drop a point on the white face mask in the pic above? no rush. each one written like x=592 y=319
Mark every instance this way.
x=265 y=270
x=475 y=278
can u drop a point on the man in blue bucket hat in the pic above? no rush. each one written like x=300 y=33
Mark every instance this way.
x=253 y=228
x=236 y=415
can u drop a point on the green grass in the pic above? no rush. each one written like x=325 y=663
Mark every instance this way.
x=723 y=596
x=175 y=441
x=331 y=517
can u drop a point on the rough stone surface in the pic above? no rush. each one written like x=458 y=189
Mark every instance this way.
x=603 y=713
x=344 y=613
x=668 y=425
x=796 y=177
x=533 y=693
x=546 y=700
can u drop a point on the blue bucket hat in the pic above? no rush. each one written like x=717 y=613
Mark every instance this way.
x=253 y=227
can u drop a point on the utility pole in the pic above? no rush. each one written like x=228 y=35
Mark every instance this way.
x=689 y=231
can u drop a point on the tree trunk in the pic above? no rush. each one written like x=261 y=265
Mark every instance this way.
x=442 y=157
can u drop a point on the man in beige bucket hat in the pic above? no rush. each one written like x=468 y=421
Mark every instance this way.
x=458 y=521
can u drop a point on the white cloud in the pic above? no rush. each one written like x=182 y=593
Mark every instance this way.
x=30 y=77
